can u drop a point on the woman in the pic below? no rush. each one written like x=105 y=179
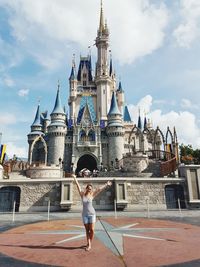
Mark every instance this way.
x=88 y=213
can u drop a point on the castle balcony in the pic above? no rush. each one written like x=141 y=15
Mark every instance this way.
x=81 y=145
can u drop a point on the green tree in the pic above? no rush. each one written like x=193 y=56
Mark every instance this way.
x=188 y=155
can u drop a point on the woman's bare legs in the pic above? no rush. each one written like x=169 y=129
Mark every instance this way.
x=91 y=235
x=87 y=233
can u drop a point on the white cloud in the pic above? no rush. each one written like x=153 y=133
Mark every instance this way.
x=7 y=118
x=186 y=103
x=188 y=30
x=12 y=149
x=49 y=29
x=144 y=105
x=186 y=123
x=8 y=81
x=23 y=92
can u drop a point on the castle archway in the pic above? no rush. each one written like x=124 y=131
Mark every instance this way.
x=86 y=161
x=174 y=194
x=9 y=195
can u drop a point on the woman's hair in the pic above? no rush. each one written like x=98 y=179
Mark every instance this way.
x=88 y=185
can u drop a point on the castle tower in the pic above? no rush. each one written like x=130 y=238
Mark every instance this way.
x=115 y=132
x=120 y=97
x=103 y=79
x=139 y=125
x=72 y=91
x=45 y=121
x=56 y=132
x=36 y=130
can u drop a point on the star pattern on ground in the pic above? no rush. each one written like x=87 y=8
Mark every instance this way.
x=110 y=236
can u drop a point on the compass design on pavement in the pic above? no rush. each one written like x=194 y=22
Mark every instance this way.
x=110 y=236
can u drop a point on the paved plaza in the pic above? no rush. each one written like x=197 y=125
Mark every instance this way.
x=162 y=238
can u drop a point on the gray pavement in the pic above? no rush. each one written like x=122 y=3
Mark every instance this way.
x=187 y=216
x=7 y=221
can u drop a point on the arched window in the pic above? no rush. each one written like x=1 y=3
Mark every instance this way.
x=82 y=135
x=91 y=136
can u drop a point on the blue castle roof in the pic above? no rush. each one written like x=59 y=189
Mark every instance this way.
x=139 y=122
x=58 y=108
x=120 y=87
x=86 y=101
x=72 y=75
x=127 y=116
x=145 y=123
x=114 y=106
x=88 y=63
x=37 y=117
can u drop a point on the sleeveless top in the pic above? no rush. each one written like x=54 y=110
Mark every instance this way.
x=88 y=209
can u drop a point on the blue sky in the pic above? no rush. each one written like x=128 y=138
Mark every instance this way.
x=155 y=49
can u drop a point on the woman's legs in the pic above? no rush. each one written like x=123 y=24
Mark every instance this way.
x=91 y=235
x=87 y=233
x=89 y=223
x=91 y=230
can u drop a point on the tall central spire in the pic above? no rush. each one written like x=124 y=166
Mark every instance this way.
x=101 y=22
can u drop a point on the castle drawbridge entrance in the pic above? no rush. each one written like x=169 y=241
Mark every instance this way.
x=86 y=161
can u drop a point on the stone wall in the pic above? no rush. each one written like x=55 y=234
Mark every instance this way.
x=103 y=201
x=35 y=196
x=44 y=172
x=135 y=163
x=140 y=192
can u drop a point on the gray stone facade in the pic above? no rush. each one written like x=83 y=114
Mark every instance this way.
x=36 y=193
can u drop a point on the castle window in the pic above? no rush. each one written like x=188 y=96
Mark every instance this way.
x=84 y=75
x=91 y=136
x=84 y=83
x=82 y=136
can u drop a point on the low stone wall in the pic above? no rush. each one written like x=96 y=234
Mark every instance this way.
x=35 y=195
x=44 y=172
x=135 y=163
x=139 y=192
x=103 y=201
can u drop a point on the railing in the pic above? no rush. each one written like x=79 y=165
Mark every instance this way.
x=86 y=143
x=167 y=161
x=168 y=167
x=15 y=165
x=160 y=155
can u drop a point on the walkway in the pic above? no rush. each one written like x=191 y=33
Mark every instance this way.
x=128 y=240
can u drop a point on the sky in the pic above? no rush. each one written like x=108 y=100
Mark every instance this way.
x=155 y=46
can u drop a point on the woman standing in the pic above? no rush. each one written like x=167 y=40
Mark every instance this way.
x=88 y=212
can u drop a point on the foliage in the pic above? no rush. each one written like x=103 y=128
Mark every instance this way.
x=188 y=155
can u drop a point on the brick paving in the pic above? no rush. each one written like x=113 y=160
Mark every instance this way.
x=125 y=241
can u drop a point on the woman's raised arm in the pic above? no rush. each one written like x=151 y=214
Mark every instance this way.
x=101 y=188
x=77 y=184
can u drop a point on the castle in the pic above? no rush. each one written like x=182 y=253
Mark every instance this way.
x=97 y=134
x=98 y=131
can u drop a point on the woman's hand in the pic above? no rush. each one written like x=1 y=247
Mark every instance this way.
x=109 y=183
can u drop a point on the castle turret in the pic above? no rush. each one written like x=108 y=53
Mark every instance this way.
x=139 y=125
x=72 y=90
x=56 y=132
x=45 y=121
x=120 y=97
x=115 y=132
x=103 y=80
x=36 y=130
x=126 y=115
x=145 y=122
